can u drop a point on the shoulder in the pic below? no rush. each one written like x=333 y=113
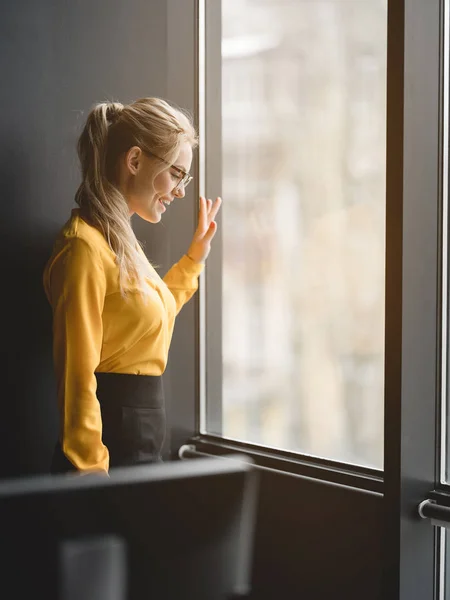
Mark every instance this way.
x=78 y=246
x=78 y=237
x=77 y=259
x=79 y=232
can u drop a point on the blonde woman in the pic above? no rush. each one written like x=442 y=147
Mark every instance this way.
x=113 y=316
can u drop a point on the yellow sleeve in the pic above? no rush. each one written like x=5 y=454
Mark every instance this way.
x=182 y=280
x=76 y=287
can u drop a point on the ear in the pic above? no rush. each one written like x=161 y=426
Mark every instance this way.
x=133 y=159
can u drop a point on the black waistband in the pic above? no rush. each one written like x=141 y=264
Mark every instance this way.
x=123 y=389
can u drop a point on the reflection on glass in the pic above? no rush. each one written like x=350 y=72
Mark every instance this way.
x=303 y=224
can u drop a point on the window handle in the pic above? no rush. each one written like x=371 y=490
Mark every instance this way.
x=438 y=514
x=189 y=451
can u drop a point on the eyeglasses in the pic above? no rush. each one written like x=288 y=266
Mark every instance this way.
x=185 y=178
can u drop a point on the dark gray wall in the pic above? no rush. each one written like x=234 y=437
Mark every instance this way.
x=57 y=59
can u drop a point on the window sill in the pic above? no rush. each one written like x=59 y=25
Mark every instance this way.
x=289 y=463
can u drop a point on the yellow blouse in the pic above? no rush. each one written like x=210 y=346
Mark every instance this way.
x=96 y=329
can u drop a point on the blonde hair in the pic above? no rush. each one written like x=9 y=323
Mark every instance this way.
x=111 y=129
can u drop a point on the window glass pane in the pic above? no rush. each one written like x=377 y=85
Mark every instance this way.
x=303 y=222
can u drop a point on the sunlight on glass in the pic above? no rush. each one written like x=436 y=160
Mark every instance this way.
x=304 y=119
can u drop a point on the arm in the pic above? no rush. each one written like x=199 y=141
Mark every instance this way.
x=76 y=287
x=182 y=280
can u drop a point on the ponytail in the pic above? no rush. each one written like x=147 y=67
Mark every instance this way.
x=100 y=200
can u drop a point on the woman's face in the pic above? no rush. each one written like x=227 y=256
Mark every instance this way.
x=150 y=199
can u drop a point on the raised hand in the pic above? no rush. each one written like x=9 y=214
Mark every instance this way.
x=206 y=229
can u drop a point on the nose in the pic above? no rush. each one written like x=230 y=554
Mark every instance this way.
x=179 y=191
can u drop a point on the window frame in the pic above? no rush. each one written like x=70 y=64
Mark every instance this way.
x=414 y=210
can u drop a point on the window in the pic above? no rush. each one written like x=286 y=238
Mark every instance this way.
x=303 y=223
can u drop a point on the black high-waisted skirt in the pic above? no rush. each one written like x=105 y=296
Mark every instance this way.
x=133 y=420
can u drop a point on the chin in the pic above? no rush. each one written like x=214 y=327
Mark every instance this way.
x=150 y=218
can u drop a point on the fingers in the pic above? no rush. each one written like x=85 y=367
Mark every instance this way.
x=211 y=232
x=207 y=213
x=214 y=208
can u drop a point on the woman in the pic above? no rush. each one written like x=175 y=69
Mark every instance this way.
x=113 y=316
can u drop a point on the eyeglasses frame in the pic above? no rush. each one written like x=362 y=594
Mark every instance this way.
x=185 y=178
